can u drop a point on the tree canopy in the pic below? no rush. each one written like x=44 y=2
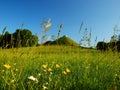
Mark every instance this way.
x=20 y=38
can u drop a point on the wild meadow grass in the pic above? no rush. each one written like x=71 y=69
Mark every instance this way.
x=59 y=68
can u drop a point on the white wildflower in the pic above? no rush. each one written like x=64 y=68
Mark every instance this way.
x=33 y=78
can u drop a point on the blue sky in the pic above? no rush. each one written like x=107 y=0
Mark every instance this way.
x=100 y=16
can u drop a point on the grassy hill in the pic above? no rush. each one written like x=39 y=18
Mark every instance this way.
x=62 y=41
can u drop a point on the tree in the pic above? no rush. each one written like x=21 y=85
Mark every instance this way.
x=101 y=46
x=24 y=38
x=20 y=38
x=118 y=46
x=5 y=40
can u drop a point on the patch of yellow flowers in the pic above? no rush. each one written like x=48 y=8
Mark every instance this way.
x=46 y=67
x=66 y=71
x=57 y=66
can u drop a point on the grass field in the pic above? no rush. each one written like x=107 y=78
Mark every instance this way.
x=59 y=68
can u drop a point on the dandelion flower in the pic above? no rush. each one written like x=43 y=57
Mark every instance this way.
x=33 y=78
x=44 y=66
x=57 y=66
x=7 y=66
x=68 y=70
x=49 y=69
x=64 y=72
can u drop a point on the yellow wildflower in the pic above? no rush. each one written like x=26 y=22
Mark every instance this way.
x=57 y=66
x=68 y=70
x=44 y=66
x=49 y=69
x=7 y=66
x=64 y=72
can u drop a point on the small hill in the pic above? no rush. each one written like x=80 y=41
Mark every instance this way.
x=62 y=41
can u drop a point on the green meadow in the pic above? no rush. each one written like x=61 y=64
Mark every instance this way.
x=59 y=68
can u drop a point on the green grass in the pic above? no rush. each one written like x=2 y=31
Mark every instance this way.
x=89 y=69
x=64 y=40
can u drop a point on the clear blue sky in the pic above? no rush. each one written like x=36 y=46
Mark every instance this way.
x=99 y=15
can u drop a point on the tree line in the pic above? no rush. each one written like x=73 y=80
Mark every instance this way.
x=20 y=38
x=113 y=45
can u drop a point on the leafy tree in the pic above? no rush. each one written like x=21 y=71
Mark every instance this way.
x=112 y=45
x=118 y=46
x=20 y=38
x=5 y=40
x=24 y=38
x=101 y=46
